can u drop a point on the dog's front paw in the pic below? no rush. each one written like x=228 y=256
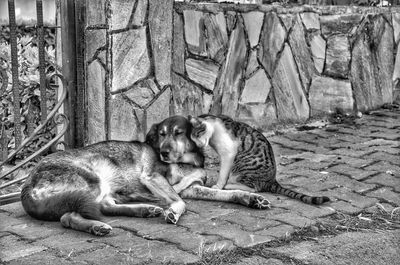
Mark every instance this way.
x=100 y=229
x=152 y=211
x=217 y=187
x=259 y=202
x=171 y=216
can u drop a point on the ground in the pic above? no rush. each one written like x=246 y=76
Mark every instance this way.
x=353 y=161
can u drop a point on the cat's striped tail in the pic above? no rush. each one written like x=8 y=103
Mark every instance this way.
x=277 y=188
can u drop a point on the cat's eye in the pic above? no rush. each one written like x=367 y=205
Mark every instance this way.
x=179 y=132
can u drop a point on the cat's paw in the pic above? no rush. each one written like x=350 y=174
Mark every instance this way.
x=259 y=202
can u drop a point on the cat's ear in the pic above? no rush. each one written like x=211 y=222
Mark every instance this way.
x=194 y=121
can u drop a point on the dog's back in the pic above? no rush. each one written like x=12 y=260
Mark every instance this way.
x=77 y=180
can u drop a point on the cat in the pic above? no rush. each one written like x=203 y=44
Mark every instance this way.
x=247 y=158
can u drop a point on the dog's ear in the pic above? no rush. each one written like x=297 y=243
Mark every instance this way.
x=152 y=136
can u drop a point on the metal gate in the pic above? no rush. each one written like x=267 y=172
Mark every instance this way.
x=23 y=121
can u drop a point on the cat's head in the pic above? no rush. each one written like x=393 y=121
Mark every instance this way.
x=201 y=131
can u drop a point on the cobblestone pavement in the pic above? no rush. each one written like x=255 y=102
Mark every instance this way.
x=356 y=164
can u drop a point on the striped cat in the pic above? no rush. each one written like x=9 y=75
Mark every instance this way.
x=247 y=158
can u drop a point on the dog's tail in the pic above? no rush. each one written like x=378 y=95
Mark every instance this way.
x=53 y=207
x=277 y=188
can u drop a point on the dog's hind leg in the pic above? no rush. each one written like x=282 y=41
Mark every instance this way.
x=245 y=198
x=109 y=207
x=77 y=222
x=160 y=187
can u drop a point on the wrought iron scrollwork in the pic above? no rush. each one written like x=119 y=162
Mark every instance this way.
x=59 y=119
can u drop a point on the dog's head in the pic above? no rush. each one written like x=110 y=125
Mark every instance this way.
x=171 y=139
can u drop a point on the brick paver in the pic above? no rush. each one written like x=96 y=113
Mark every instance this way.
x=356 y=165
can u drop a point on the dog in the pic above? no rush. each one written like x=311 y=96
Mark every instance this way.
x=171 y=140
x=78 y=186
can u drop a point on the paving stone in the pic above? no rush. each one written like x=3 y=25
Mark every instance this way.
x=141 y=249
x=280 y=231
x=320 y=181
x=386 y=194
x=383 y=166
x=394 y=159
x=202 y=72
x=385 y=179
x=294 y=219
x=305 y=210
x=71 y=242
x=357 y=200
x=13 y=248
x=32 y=229
x=44 y=257
x=256 y=260
x=354 y=173
x=345 y=207
x=253 y=22
x=308 y=165
x=219 y=246
x=241 y=238
x=351 y=161
x=249 y=222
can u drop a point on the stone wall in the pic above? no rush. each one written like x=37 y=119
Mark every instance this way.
x=268 y=64
x=128 y=61
x=147 y=60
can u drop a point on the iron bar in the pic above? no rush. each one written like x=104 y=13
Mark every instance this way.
x=42 y=74
x=41 y=126
x=10 y=198
x=14 y=71
x=68 y=38
x=65 y=121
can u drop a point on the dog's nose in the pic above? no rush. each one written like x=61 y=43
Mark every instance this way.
x=164 y=154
